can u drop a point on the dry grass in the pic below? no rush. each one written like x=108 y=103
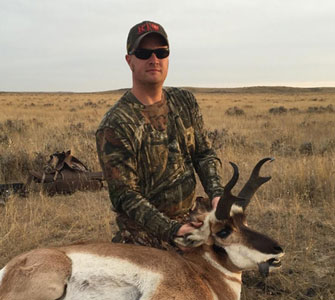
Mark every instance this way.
x=295 y=126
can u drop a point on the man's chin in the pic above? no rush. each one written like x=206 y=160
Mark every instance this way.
x=154 y=81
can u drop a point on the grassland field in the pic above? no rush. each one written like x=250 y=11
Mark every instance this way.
x=297 y=207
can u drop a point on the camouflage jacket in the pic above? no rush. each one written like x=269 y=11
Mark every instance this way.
x=149 y=156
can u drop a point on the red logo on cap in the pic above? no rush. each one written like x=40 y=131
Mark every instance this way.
x=147 y=27
x=154 y=26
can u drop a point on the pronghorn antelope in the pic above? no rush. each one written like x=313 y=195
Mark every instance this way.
x=224 y=246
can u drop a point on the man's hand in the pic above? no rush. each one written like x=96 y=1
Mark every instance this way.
x=190 y=227
x=187 y=228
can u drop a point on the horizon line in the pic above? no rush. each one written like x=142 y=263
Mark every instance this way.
x=185 y=87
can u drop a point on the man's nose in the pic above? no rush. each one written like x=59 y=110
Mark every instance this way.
x=153 y=58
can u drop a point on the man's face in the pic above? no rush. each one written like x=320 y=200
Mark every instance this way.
x=151 y=71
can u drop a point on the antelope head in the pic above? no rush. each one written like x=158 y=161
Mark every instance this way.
x=226 y=232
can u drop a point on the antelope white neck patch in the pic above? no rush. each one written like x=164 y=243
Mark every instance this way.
x=234 y=285
x=219 y=267
x=215 y=297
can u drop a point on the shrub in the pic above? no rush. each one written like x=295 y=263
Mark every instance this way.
x=278 y=110
x=234 y=111
x=321 y=109
x=306 y=148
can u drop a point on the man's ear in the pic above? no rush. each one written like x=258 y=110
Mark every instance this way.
x=128 y=60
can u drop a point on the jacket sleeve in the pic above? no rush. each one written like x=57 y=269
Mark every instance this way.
x=117 y=157
x=205 y=160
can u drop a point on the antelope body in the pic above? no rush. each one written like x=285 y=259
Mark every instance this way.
x=223 y=247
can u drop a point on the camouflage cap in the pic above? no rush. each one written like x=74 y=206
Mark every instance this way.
x=139 y=31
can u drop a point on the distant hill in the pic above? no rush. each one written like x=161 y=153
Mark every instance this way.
x=239 y=90
x=262 y=89
x=251 y=90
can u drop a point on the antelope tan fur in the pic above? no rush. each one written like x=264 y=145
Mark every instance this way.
x=223 y=247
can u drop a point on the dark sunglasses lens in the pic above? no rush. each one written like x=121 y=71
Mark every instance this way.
x=143 y=53
x=162 y=53
x=146 y=53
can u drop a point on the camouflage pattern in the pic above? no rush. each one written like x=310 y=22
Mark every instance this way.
x=149 y=156
x=131 y=232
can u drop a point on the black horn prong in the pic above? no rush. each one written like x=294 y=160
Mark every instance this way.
x=229 y=186
x=254 y=182
x=255 y=171
x=227 y=199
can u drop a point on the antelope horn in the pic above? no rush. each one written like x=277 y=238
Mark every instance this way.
x=226 y=201
x=254 y=182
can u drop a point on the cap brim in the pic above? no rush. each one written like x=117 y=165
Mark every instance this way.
x=138 y=41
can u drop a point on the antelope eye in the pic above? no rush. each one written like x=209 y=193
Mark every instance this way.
x=224 y=233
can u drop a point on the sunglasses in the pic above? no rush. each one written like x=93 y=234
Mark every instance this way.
x=160 y=53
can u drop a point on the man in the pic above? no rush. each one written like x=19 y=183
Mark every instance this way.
x=150 y=144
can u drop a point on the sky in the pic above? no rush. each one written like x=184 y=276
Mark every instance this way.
x=80 y=45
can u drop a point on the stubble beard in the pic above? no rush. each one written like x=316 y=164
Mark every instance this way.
x=148 y=82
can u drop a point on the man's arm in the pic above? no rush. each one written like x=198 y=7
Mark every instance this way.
x=205 y=160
